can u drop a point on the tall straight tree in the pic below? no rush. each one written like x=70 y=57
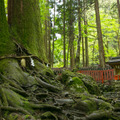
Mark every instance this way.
x=86 y=39
x=83 y=55
x=49 y=38
x=24 y=19
x=79 y=38
x=71 y=35
x=99 y=33
x=53 y=36
x=118 y=4
x=64 y=42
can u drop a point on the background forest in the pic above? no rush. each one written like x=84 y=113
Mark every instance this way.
x=63 y=23
x=66 y=24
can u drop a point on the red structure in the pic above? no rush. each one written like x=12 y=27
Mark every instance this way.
x=99 y=75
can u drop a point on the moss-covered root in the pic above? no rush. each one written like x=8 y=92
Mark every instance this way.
x=99 y=115
x=48 y=116
x=0 y=113
x=3 y=97
x=45 y=107
x=47 y=86
x=14 y=109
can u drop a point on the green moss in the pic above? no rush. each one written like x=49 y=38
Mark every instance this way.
x=48 y=72
x=6 y=45
x=27 y=25
x=11 y=69
x=48 y=116
x=76 y=85
x=92 y=106
x=90 y=83
x=66 y=74
x=105 y=105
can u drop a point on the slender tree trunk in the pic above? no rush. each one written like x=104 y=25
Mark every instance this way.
x=53 y=36
x=86 y=46
x=99 y=32
x=46 y=34
x=79 y=38
x=68 y=52
x=83 y=55
x=71 y=37
x=118 y=4
x=86 y=39
x=64 y=42
x=49 y=38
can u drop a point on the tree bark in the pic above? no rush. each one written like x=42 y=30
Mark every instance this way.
x=79 y=38
x=49 y=42
x=24 y=19
x=86 y=39
x=118 y=4
x=71 y=36
x=6 y=45
x=99 y=33
x=64 y=42
x=53 y=37
x=83 y=55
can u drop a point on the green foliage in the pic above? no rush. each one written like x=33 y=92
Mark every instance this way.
x=109 y=23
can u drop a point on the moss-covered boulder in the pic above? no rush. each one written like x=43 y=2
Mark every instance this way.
x=80 y=82
x=90 y=83
x=76 y=84
x=73 y=82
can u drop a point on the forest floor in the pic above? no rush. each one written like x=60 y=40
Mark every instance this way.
x=36 y=93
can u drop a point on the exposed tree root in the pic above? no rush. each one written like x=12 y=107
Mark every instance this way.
x=47 y=86
x=99 y=115
x=13 y=109
x=20 y=57
x=12 y=83
x=0 y=113
x=21 y=92
x=3 y=97
x=45 y=107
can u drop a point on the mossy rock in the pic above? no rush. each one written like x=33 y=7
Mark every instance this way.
x=48 y=72
x=75 y=84
x=90 y=83
x=81 y=106
x=48 y=116
x=43 y=69
x=97 y=104
x=92 y=106
x=117 y=103
x=66 y=74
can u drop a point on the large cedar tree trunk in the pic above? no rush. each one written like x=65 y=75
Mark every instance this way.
x=99 y=32
x=6 y=46
x=24 y=20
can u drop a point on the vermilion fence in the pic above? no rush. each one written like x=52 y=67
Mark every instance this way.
x=99 y=75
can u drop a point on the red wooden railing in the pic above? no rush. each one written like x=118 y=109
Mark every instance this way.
x=99 y=75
